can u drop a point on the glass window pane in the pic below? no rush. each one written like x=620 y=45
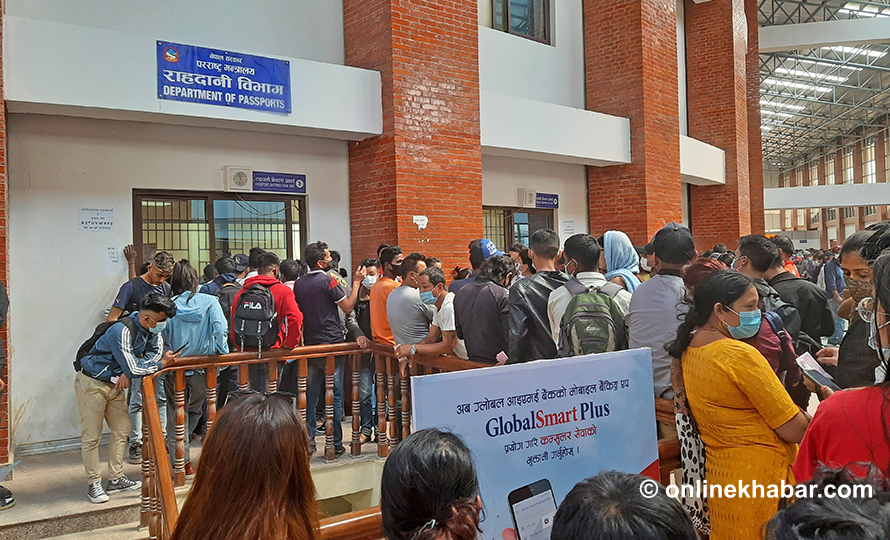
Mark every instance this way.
x=177 y=226
x=240 y=225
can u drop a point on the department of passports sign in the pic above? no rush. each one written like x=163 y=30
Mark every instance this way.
x=217 y=77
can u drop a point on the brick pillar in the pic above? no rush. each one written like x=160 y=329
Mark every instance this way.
x=631 y=61
x=428 y=161
x=716 y=33
x=755 y=136
x=4 y=258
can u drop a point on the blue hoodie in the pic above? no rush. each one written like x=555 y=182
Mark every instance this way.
x=200 y=322
x=217 y=283
x=118 y=353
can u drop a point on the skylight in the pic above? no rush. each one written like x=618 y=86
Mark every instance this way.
x=799 y=86
x=811 y=74
x=857 y=51
x=789 y=106
x=776 y=113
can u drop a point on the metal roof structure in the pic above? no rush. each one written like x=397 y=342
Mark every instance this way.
x=811 y=99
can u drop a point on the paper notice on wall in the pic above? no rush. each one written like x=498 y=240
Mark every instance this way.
x=95 y=219
x=568 y=228
x=112 y=261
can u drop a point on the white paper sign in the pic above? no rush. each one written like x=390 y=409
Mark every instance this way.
x=568 y=228
x=95 y=219
x=112 y=261
x=421 y=222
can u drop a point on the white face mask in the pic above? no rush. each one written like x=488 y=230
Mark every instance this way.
x=644 y=264
x=369 y=281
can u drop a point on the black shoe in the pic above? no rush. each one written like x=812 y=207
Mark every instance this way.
x=122 y=484
x=135 y=454
x=6 y=500
x=312 y=448
x=339 y=451
x=96 y=494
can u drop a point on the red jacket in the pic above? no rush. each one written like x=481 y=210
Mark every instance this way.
x=290 y=319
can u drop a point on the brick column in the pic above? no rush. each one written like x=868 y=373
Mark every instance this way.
x=631 y=61
x=716 y=34
x=428 y=161
x=4 y=259
x=755 y=136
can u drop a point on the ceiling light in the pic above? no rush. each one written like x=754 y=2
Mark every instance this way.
x=765 y=128
x=790 y=106
x=812 y=75
x=800 y=86
x=776 y=113
x=827 y=64
x=857 y=51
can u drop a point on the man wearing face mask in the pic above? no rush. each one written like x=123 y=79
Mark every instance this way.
x=391 y=258
x=482 y=311
x=409 y=318
x=128 y=350
x=358 y=329
x=442 y=338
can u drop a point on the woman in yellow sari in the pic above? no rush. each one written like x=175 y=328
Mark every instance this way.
x=746 y=419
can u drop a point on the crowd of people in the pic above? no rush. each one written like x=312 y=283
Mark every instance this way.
x=724 y=330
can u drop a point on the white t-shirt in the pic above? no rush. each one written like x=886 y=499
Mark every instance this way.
x=444 y=319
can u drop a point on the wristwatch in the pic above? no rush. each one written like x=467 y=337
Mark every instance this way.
x=413 y=350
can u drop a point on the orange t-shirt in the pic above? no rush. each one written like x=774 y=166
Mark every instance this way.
x=790 y=267
x=379 y=321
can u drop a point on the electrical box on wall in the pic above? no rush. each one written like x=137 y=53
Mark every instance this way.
x=238 y=178
x=527 y=198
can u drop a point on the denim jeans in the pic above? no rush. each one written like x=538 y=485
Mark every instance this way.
x=315 y=390
x=838 y=335
x=368 y=392
x=135 y=408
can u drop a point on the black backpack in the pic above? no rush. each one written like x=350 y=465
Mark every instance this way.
x=255 y=320
x=592 y=323
x=103 y=327
x=226 y=296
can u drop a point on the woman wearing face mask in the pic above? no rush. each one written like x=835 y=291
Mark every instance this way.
x=856 y=361
x=850 y=427
x=621 y=260
x=748 y=423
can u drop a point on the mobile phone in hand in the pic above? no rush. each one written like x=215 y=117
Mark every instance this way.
x=186 y=344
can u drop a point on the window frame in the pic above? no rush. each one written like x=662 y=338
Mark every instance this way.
x=848 y=164
x=509 y=211
x=869 y=161
x=209 y=197
x=548 y=30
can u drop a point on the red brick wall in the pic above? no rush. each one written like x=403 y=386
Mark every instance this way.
x=631 y=65
x=428 y=160
x=716 y=53
x=4 y=254
x=755 y=136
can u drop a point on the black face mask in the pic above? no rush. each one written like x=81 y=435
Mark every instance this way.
x=396 y=269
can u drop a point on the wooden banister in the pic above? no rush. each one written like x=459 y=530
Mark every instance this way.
x=360 y=525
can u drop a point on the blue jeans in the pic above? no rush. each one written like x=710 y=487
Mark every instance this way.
x=315 y=390
x=838 y=335
x=135 y=408
x=368 y=392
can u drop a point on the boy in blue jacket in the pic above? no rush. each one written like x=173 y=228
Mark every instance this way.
x=128 y=350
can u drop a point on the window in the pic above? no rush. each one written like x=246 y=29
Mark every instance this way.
x=831 y=214
x=814 y=215
x=869 y=210
x=814 y=172
x=798 y=176
x=849 y=212
x=829 y=169
x=887 y=154
x=788 y=224
x=801 y=218
x=848 y=164
x=201 y=227
x=773 y=220
x=527 y=18
x=869 y=164
x=508 y=226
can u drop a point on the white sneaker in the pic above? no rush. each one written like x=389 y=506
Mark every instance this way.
x=96 y=494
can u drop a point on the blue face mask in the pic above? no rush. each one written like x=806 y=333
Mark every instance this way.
x=427 y=297
x=873 y=339
x=159 y=327
x=749 y=324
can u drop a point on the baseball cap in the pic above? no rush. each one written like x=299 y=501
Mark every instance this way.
x=672 y=244
x=242 y=261
x=489 y=249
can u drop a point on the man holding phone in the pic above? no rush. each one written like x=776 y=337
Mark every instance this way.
x=127 y=350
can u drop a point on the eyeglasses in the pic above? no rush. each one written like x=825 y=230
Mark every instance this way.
x=241 y=395
x=866 y=310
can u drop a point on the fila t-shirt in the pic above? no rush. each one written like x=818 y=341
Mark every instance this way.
x=318 y=293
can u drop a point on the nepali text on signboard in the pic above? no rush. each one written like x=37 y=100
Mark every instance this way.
x=217 y=77
x=279 y=182
x=546 y=200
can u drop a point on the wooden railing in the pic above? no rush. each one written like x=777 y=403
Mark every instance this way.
x=159 y=510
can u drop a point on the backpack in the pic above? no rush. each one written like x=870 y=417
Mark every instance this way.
x=789 y=315
x=255 y=320
x=786 y=358
x=592 y=323
x=226 y=296
x=103 y=327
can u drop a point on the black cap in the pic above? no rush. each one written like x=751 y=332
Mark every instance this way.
x=673 y=244
x=242 y=261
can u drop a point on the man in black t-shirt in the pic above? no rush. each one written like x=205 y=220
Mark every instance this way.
x=321 y=297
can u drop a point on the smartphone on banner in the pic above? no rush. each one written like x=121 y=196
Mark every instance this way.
x=533 y=507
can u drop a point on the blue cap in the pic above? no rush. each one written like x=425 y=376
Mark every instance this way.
x=489 y=249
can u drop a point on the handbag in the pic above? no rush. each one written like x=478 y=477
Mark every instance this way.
x=692 y=456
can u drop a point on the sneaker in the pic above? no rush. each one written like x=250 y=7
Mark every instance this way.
x=339 y=451
x=135 y=454
x=312 y=448
x=6 y=500
x=96 y=494
x=122 y=484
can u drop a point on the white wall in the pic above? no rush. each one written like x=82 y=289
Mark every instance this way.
x=310 y=29
x=58 y=165
x=503 y=176
x=520 y=67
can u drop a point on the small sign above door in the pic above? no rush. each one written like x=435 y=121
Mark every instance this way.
x=546 y=200
x=279 y=182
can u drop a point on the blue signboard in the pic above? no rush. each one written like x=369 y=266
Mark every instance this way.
x=546 y=200
x=279 y=182
x=216 y=77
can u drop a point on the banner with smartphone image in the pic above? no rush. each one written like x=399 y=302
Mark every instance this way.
x=537 y=429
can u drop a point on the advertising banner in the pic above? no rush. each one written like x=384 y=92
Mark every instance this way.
x=217 y=77
x=537 y=429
